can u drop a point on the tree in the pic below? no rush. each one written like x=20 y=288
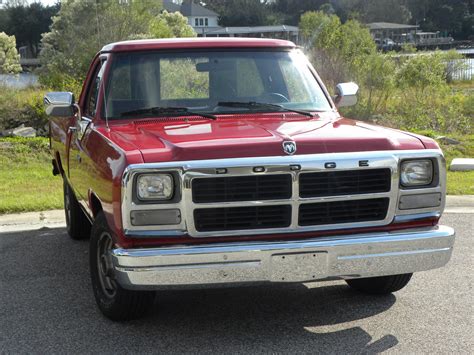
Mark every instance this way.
x=170 y=25
x=73 y=41
x=338 y=50
x=240 y=12
x=454 y=17
x=327 y=8
x=246 y=12
x=27 y=23
x=9 y=58
x=294 y=9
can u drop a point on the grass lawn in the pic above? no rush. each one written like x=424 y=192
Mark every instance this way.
x=27 y=184
x=460 y=182
x=26 y=181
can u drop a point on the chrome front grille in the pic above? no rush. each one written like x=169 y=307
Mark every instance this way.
x=263 y=187
x=281 y=194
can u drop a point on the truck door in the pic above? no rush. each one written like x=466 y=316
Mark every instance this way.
x=78 y=157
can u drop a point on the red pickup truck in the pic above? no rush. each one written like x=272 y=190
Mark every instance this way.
x=210 y=162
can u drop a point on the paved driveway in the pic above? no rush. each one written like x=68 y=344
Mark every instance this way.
x=46 y=305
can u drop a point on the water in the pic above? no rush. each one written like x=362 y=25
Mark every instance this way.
x=19 y=81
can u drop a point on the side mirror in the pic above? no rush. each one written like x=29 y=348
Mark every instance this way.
x=346 y=94
x=59 y=104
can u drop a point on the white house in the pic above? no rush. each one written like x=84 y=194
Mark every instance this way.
x=205 y=23
x=199 y=18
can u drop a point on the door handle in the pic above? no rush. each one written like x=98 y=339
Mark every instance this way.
x=72 y=129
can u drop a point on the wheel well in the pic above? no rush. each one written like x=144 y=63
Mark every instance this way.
x=96 y=206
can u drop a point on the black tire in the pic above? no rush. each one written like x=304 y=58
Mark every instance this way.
x=115 y=302
x=380 y=285
x=77 y=225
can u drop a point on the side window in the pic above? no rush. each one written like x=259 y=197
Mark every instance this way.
x=93 y=94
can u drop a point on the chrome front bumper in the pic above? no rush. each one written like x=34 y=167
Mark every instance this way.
x=336 y=257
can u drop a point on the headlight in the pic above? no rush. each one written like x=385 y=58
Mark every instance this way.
x=416 y=172
x=155 y=186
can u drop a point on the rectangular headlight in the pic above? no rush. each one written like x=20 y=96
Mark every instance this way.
x=155 y=187
x=416 y=172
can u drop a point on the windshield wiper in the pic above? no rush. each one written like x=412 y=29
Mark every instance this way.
x=261 y=105
x=175 y=111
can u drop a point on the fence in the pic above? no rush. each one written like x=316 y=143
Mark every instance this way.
x=464 y=71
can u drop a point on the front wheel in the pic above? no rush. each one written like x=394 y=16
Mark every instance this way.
x=114 y=302
x=380 y=285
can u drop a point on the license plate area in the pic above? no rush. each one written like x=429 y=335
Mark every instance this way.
x=298 y=267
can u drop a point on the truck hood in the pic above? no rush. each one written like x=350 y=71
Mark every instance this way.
x=246 y=136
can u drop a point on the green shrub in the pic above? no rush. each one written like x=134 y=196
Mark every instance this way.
x=420 y=72
x=23 y=106
x=9 y=57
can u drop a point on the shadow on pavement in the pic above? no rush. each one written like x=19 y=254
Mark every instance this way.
x=47 y=305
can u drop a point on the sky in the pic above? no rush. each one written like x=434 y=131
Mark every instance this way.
x=44 y=2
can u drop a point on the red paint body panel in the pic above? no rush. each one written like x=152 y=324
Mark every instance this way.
x=105 y=151
x=253 y=135
x=193 y=43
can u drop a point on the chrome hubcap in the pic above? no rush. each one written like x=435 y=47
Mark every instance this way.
x=104 y=265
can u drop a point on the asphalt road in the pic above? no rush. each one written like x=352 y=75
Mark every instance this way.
x=46 y=305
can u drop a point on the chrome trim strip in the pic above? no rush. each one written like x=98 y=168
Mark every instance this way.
x=416 y=217
x=154 y=233
x=337 y=257
x=188 y=170
x=352 y=257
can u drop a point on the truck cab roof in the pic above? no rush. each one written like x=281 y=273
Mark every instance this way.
x=189 y=43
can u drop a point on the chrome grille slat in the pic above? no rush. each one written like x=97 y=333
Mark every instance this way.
x=187 y=171
x=313 y=214
x=241 y=188
x=333 y=183
x=237 y=218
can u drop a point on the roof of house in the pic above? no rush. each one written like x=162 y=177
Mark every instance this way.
x=188 y=9
x=170 y=6
x=254 y=29
x=389 y=25
x=188 y=43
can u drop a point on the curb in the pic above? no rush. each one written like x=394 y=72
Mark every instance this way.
x=463 y=204
x=462 y=164
x=32 y=220
x=459 y=204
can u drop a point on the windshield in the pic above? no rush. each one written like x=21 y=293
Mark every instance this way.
x=203 y=82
